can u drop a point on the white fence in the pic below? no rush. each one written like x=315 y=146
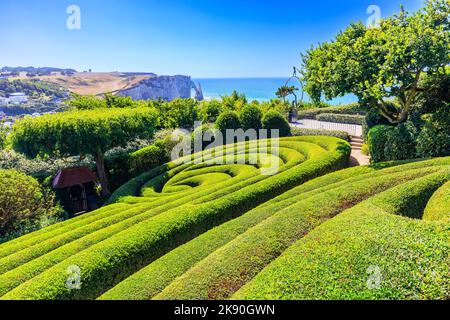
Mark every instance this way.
x=352 y=129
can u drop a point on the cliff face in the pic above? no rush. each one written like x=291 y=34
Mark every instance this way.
x=165 y=87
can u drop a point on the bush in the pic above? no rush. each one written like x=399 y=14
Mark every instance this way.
x=250 y=117
x=373 y=118
x=24 y=205
x=273 y=120
x=148 y=158
x=434 y=139
x=400 y=142
x=365 y=149
x=296 y=131
x=228 y=120
x=209 y=111
x=341 y=118
x=3 y=135
x=376 y=140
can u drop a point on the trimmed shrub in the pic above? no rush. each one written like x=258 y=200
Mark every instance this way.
x=341 y=118
x=228 y=120
x=3 y=135
x=296 y=131
x=24 y=205
x=376 y=140
x=434 y=139
x=400 y=143
x=365 y=150
x=148 y=158
x=273 y=120
x=373 y=118
x=203 y=136
x=250 y=117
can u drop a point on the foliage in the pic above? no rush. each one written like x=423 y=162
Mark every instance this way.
x=82 y=132
x=234 y=102
x=24 y=205
x=250 y=117
x=87 y=102
x=378 y=64
x=401 y=142
x=376 y=139
x=273 y=120
x=434 y=139
x=3 y=136
x=31 y=88
x=277 y=105
x=208 y=111
x=179 y=113
x=284 y=91
x=148 y=158
x=228 y=120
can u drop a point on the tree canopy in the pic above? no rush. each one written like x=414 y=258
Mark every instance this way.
x=83 y=132
x=383 y=66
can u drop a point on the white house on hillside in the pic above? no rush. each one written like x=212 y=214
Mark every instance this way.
x=17 y=98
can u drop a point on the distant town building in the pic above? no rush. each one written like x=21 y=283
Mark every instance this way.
x=18 y=98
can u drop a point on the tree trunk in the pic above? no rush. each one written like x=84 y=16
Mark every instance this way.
x=99 y=159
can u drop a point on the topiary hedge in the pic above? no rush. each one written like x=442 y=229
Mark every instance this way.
x=341 y=118
x=296 y=131
x=273 y=120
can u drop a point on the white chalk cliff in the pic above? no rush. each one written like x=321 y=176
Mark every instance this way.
x=163 y=87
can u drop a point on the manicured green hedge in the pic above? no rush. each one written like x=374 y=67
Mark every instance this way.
x=341 y=118
x=155 y=213
x=297 y=132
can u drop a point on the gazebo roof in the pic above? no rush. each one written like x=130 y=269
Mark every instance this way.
x=73 y=176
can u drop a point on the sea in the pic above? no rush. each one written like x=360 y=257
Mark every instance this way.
x=261 y=89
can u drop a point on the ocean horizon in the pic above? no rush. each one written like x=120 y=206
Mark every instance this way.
x=261 y=89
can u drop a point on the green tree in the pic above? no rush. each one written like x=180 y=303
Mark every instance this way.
x=383 y=64
x=285 y=91
x=83 y=132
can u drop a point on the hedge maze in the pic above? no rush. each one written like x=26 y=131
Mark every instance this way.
x=159 y=212
x=203 y=229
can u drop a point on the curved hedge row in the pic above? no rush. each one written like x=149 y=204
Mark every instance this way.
x=156 y=213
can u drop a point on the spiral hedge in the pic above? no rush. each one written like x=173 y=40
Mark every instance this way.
x=173 y=216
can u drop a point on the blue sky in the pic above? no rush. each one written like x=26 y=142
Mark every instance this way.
x=201 y=38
